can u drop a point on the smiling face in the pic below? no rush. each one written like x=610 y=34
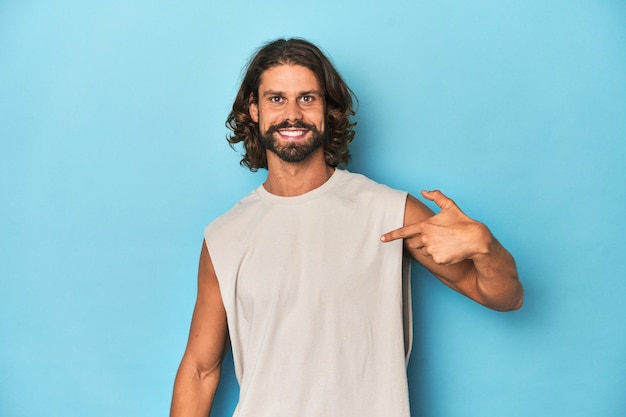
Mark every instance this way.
x=289 y=110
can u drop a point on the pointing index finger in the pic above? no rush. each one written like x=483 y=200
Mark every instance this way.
x=396 y=234
x=391 y=236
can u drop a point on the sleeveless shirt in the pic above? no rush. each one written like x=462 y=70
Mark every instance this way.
x=318 y=308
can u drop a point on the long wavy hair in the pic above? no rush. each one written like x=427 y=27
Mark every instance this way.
x=339 y=101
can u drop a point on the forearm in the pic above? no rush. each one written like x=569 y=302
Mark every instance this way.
x=194 y=391
x=496 y=277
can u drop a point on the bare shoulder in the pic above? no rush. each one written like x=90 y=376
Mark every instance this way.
x=209 y=294
x=206 y=272
x=415 y=211
x=199 y=371
x=208 y=334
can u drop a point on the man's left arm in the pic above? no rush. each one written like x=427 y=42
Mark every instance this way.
x=460 y=251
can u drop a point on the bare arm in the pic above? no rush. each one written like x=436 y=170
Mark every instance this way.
x=461 y=252
x=199 y=371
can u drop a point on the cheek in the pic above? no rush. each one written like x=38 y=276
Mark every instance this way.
x=265 y=121
x=266 y=116
x=318 y=118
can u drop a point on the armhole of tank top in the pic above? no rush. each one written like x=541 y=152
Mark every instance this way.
x=407 y=305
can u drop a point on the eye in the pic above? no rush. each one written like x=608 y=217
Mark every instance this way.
x=275 y=99
x=308 y=98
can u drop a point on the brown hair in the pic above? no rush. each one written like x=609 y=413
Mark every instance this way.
x=337 y=96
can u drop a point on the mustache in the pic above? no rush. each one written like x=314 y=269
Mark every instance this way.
x=298 y=124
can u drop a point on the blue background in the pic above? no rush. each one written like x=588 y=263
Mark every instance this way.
x=113 y=159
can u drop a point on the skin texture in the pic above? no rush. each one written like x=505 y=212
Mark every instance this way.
x=199 y=371
x=458 y=250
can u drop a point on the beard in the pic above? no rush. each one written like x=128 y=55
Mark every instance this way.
x=293 y=151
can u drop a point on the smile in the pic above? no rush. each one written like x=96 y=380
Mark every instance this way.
x=292 y=134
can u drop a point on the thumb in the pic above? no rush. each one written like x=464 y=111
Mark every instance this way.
x=438 y=198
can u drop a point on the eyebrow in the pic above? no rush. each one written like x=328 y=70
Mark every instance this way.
x=280 y=93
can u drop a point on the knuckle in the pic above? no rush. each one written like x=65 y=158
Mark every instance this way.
x=438 y=259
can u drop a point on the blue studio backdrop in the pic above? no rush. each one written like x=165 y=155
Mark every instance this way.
x=113 y=158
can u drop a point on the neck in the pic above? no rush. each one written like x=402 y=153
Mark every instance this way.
x=287 y=179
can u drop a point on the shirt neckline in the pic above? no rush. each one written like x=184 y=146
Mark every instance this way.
x=316 y=192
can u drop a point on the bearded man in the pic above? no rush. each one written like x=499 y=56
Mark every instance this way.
x=307 y=276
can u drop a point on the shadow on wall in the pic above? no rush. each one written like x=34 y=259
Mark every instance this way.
x=228 y=389
x=425 y=287
x=418 y=386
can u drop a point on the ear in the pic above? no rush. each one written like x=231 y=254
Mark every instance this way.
x=253 y=109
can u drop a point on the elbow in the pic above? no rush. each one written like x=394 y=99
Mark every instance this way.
x=201 y=371
x=512 y=303
x=519 y=303
x=209 y=373
x=511 y=307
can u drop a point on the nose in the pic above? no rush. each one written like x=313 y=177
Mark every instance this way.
x=292 y=111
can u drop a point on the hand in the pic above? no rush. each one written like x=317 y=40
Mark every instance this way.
x=449 y=237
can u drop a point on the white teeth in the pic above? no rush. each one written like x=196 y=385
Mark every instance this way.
x=292 y=133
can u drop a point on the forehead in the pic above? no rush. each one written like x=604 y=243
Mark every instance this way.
x=288 y=78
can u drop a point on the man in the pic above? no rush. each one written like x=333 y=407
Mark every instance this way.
x=306 y=275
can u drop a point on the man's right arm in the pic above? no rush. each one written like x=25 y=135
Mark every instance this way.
x=199 y=371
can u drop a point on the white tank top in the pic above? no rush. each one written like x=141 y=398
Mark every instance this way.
x=317 y=306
